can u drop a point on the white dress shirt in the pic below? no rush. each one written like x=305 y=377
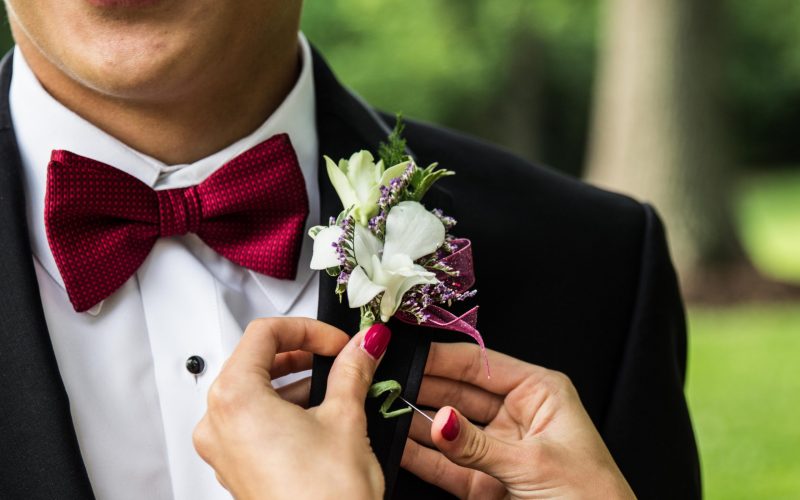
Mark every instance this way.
x=133 y=402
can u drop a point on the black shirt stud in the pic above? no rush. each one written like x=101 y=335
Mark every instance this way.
x=195 y=365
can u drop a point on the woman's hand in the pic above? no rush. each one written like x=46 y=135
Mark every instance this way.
x=263 y=445
x=538 y=441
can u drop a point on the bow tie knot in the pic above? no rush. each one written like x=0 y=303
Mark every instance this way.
x=179 y=211
x=102 y=223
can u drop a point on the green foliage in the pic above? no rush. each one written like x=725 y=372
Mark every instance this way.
x=455 y=62
x=430 y=57
x=393 y=151
x=423 y=178
x=769 y=219
x=367 y=314
x=763 y=78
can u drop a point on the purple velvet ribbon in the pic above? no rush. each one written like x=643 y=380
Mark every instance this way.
x=461 y=261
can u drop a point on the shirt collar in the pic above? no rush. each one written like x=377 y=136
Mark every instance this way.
x=43 y=124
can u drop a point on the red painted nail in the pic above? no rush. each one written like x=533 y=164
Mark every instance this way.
x=376 y=340
x=451 y=427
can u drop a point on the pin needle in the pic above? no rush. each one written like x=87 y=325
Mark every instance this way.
x=415 y=408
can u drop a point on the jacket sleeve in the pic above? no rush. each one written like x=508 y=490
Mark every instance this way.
x=647 y=427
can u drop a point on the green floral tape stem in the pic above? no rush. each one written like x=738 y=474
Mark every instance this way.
x=393 y=387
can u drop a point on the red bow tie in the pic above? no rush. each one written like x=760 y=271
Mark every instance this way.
x=102 y=223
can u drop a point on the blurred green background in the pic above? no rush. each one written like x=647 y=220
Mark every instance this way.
x=691 y=105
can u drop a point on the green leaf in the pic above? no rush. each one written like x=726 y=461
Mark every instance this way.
x=423 y=179
x=367 y=317
x=314 y=231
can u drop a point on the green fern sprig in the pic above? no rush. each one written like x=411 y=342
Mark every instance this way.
x=393 y=151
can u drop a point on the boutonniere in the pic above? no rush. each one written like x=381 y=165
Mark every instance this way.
x=392 y=256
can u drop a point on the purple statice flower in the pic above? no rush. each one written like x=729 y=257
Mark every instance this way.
x=344 y=245
x=344 y=251
x=448 y=222
x=448 y=290
x=419 y=298
x=391 y=195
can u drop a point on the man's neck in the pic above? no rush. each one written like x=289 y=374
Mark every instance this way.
x=183 y=128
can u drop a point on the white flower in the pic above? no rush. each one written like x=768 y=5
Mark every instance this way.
x=325 y=255
x=358 y=181
x=411 y=232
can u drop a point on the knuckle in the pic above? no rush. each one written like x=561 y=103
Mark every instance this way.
x=256 y=324
x=224 y=397
x=563 y=379
x=260 y=324
x=473 y=365
x=557 y=381
x=201 y=439
x=535 y=455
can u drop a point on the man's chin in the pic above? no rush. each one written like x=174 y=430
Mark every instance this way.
x=118 y=6
x=123 y=3
x=137 y=78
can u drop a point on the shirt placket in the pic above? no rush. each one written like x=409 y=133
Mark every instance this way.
x=181 y=310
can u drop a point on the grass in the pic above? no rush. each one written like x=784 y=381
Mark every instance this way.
x=743 y=382
x=744 y=393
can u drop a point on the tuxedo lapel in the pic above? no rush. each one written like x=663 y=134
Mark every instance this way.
x=40 y=457
x=346 y=125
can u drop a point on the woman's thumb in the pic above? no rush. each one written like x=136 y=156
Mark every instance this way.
x=465 y=444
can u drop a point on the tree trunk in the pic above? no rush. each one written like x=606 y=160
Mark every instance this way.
x=657 y=127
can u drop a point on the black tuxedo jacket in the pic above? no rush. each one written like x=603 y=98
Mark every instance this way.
x=569 y=277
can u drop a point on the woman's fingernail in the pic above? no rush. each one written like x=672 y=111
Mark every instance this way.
x=376 y=340
x=451 y=427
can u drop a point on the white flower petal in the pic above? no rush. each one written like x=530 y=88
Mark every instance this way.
x=393 y=297
x=412 y=230
x=324 y=255
x=364 y=176
x=365 y=245
x=341 y=184
x=397 y=263
x=415 y=270
x=343 y=166
x=378 y=172
x=361 y=172
x=358 y=162
x=381 y=275
x=360 y=290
